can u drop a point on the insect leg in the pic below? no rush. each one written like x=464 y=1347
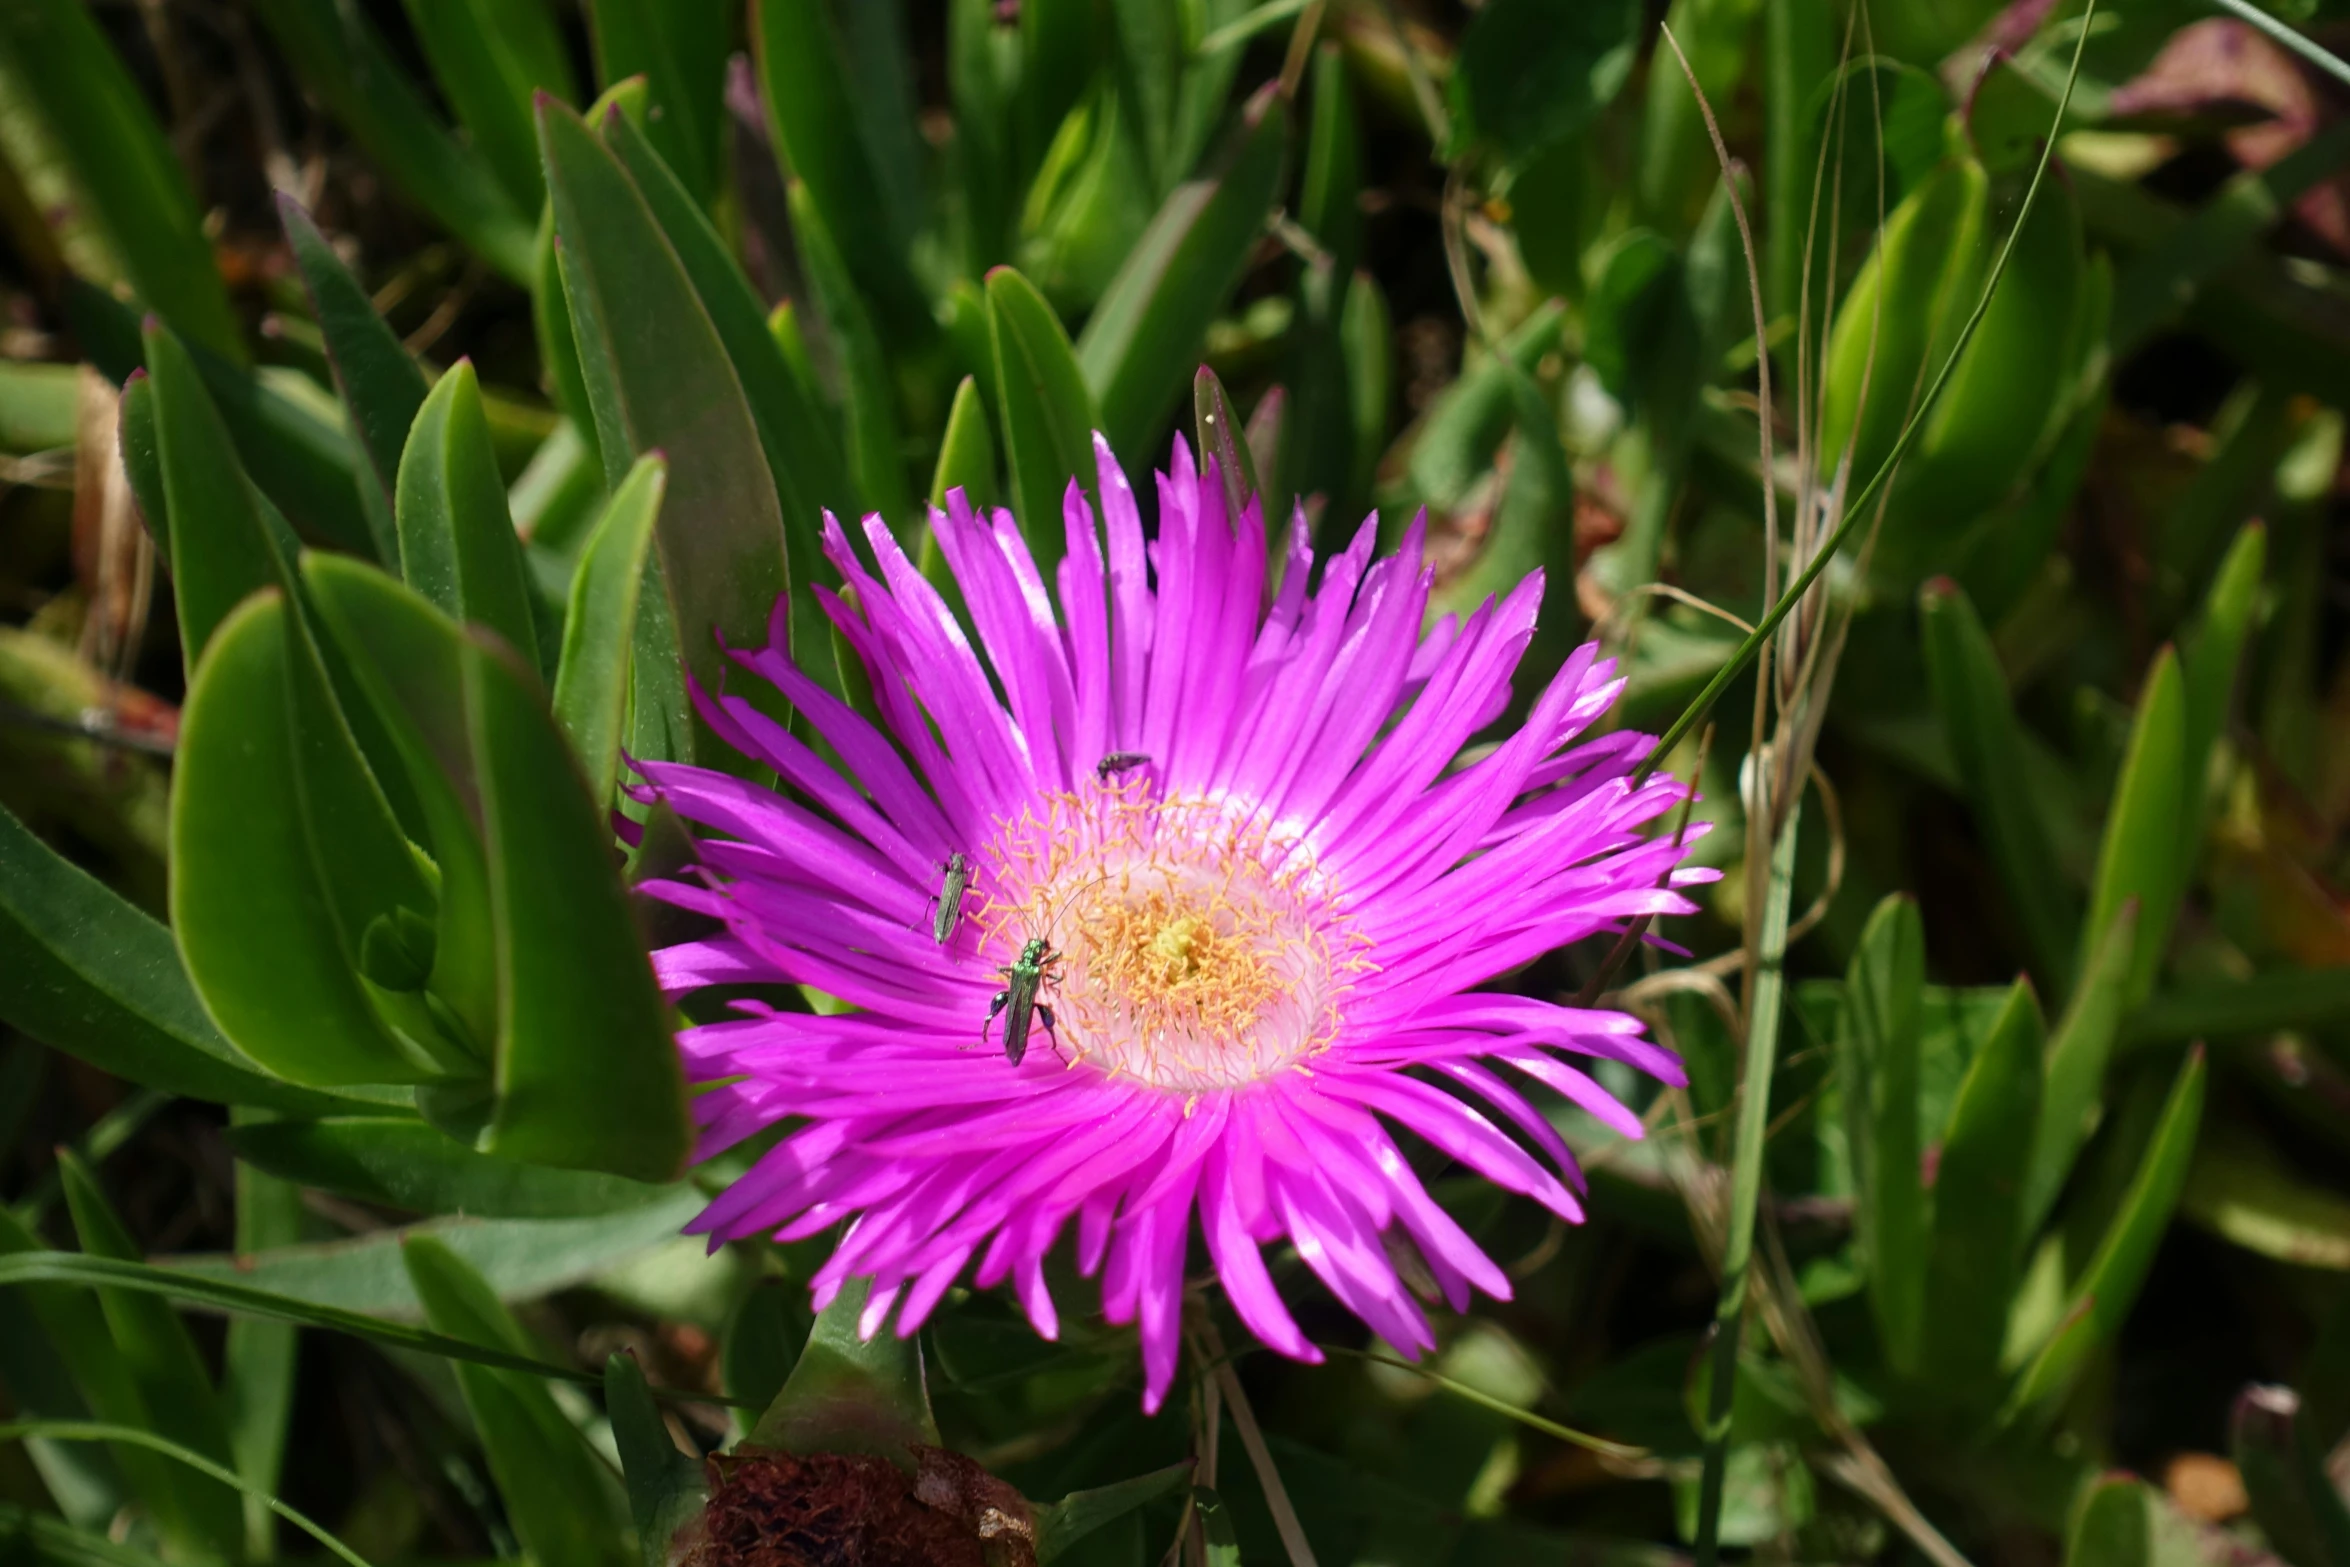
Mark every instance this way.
x=1051 y=1031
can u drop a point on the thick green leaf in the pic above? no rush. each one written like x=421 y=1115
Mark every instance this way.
x=1329 y=199
x=257 y=924
x=548 y=1478
x=1532 y=72
x=587 y=1076
x=57 y=69
x=2110 y=1528
x=680 y=51
x=403 y=1163
x=142 y=458
x=257 y=1364
x=591 y=682
x=1877 y=1050
x=868 y=393
x=1221 y=437
x=2208 y=665
x=1048 y=415
x=660 y=380
x=666 y=1487
x=1995 y=414
x=795 y=428
x=85 y=972
x=2254 y=429
x=550 y=321
x=340 y=58
x=407 y=658
x=966 y=453
x=1321 y=449
x=1065 y=1522
x=222 y=549
x=1898 y=320
x=2145 y=829
x=1970 y=692
x=1978 y=1205
x=488 y=58
x=1142 y=341
x=1088 y=204
x=763 y=1340
x=1149 y=60
x=982 y=70
x=878 y=61
x=1058 y=47
x=298 y=455
x=818 y=125
x=2075 y=1077
x=1675 y=164
x=160 y=1358
x=457 y=544
x=380 y=383
x=2283 y=1463
x=850 y=1394
x=2109 y=1286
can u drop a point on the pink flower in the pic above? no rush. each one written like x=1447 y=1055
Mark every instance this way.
x=1268 y=935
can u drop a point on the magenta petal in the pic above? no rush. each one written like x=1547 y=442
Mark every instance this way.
x=1298 y=799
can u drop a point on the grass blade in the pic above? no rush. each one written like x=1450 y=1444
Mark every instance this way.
x=25 y=1265
x=1858 y=510
x=98 y=1431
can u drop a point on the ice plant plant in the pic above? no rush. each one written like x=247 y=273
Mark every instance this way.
x=1262 y=944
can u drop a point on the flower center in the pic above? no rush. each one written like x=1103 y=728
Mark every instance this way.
x=1194 y=951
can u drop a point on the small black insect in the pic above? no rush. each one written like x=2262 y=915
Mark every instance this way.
x=1118 y=762
x=1017 y=1001
x=950 y=896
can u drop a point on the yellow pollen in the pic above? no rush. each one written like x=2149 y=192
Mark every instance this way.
x=1179 y=962
x=1196 y=948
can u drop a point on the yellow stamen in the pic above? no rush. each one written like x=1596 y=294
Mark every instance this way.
x=1197 y=947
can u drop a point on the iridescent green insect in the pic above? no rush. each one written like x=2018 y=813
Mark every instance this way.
x=1017 y=1000
x=1118 y=762
x=950 y=896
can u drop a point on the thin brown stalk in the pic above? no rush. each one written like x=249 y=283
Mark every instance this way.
x=1252 y=1441
x=1301 y=48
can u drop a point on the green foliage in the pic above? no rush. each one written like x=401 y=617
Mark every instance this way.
x=524 y=416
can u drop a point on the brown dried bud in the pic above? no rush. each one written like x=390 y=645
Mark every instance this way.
x=777 y=1509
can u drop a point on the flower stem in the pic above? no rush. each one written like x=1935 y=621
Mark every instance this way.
x=1754 y=1108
